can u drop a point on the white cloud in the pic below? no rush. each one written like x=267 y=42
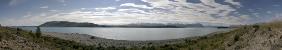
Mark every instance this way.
x=210 y=3
x=53 y=10
x=159 y=3
x=201 y=11
x=62 y=1
x=15 y=2
x=269 y=12
x=138 y=6
x=233 y=2
x=44 y=7
x=132 y=11
x=64 y=4
x=117 y=0
x=276 y=5
x=106 y=8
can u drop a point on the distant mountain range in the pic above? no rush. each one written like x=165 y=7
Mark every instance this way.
x=67 y=24
x=145 y=25
x=158 y=25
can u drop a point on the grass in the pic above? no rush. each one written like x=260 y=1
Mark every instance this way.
x=45 y=41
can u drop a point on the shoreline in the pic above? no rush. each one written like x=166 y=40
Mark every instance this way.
x=93 y=40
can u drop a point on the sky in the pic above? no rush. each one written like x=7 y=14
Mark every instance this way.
x=208 y=12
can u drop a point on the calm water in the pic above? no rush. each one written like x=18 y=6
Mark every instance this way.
x=132 y=33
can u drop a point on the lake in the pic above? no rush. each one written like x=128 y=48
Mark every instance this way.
x=132 y=33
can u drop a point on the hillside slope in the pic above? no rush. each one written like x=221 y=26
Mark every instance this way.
x=17 y=39
x=265 y=36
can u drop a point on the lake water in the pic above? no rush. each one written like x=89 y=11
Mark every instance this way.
x=132 y=33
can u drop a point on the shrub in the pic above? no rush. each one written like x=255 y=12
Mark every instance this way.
x=1 y=37
x=236 y=38
x=256 y=27
x=269 y=29
x=31 y=34
x=92 y=37
x=38 y=32
x=18 y=30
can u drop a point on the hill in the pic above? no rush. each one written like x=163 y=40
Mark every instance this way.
x=67 y=24
x=264 y=36
x=17 y=39
x=133 y=25
x=160 y=25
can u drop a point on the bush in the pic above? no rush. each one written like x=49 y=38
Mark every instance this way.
x=31 y=34
x=1 y=37
x=236 y=38
x=256 y=27
x=18 y=30
x=92 y=37
x=269 y=29
x=38 y=32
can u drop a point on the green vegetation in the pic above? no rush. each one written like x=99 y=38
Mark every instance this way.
x=38 y=32
x=9 y=34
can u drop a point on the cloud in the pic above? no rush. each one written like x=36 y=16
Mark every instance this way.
x=212 y=3
x=159 y=3
x=161 y=11
x=206 y=11
x=233 y=2
x=132 y=11
x=53 y=10
x=15 y=2
x=134 y=5
x=276 y=5
x=62 y=1
x=44 y=7
x=117 y=0
x=106 y=8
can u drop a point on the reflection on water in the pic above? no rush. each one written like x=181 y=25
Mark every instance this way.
x=132 y=33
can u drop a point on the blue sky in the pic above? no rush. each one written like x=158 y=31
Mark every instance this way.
x=210 y=12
